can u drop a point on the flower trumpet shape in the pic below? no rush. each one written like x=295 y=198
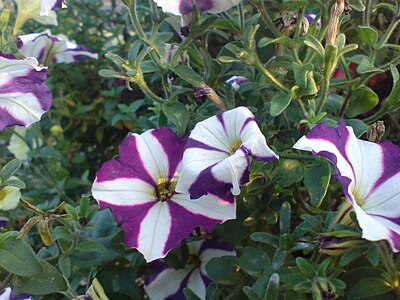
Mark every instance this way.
x=24 y=96
x=48 y=48
x=183 y=7
x=167 y=283
x=369 y=174
x=139 y=188
x=216 y=157
x=46 y=6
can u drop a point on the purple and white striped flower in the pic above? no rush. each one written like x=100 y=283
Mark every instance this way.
x=312 y=18
x=216 y=157
x=46 y=6
x=183 y=7
x=6 y=294
x=369 y=174
x=166 y=282
x=139 y=187
x=24 y=96
x=236 y=81
x=49 y=48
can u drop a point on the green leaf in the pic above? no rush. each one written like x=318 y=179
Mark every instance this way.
x=178 y=114
x=189 y=294
x=393 y=101
x=251 y=293
x=65 y=266
x=351 y=255
x=17 y=256
x=316 y=180
x=212 y=290
x=187 y=74
x=110 y=74
x=279 y=259
x=369 y=287
x=281 y=101
x=363 y=100
x=14 y=182
x=312 y=42
x=366 y=67
x=254 y=261
x=265 y=238
x=47 y=282
x=357 y=5
x=306 y=267
x=284 y=218
x=272 y=292
x=223 y=270
x=92 y=246
x=368 y=35
x=9 y=169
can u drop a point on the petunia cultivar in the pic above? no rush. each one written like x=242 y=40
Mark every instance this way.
x=46 y=6
x=183 y=7
x=24 y=96
x=49 y=48
x=139 y=187
x=166 y=282
x=216 y=157
x=369 y=174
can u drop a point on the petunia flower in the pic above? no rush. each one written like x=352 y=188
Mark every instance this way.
x=183 y=7
x=369 y=174
x=47 y=6
x=139 y=187
x=6 y=294
x=24 y=96
x=166 y=282
x=216 y=157
x=236 y=81
x=49 y=48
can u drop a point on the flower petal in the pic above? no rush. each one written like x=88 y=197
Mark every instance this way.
x=46 y=6
x=370 y=175
x=24 y=96
x=217 y=152
x=166 y=282
x=183 y=7
x=48 y=48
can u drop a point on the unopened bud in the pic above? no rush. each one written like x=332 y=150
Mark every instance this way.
x=376 y=131
x=339 y=242
x=45 y=232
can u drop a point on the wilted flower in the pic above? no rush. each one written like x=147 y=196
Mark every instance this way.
x=24 y=96
x=6 y=294
x=369 y=174
x=216 y=157
x=166 y=282
x=139 y=187
x=46 y=6
x=236 y=81
x=49 y=48
x=183 y=7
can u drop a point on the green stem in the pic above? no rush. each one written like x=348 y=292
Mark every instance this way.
x=390 y=266
x=376 y=116
x=324 y=95
x=389 y=32
x=260 y=67
x=345 y=104
x=267 y=19
x=139 y=80
x=299 y=24
x=6 y=282
x=241 y=18
x=367 y=12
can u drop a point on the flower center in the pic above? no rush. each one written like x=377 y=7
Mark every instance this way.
x=234 y=146
x=194 y=260
x=165 y=189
